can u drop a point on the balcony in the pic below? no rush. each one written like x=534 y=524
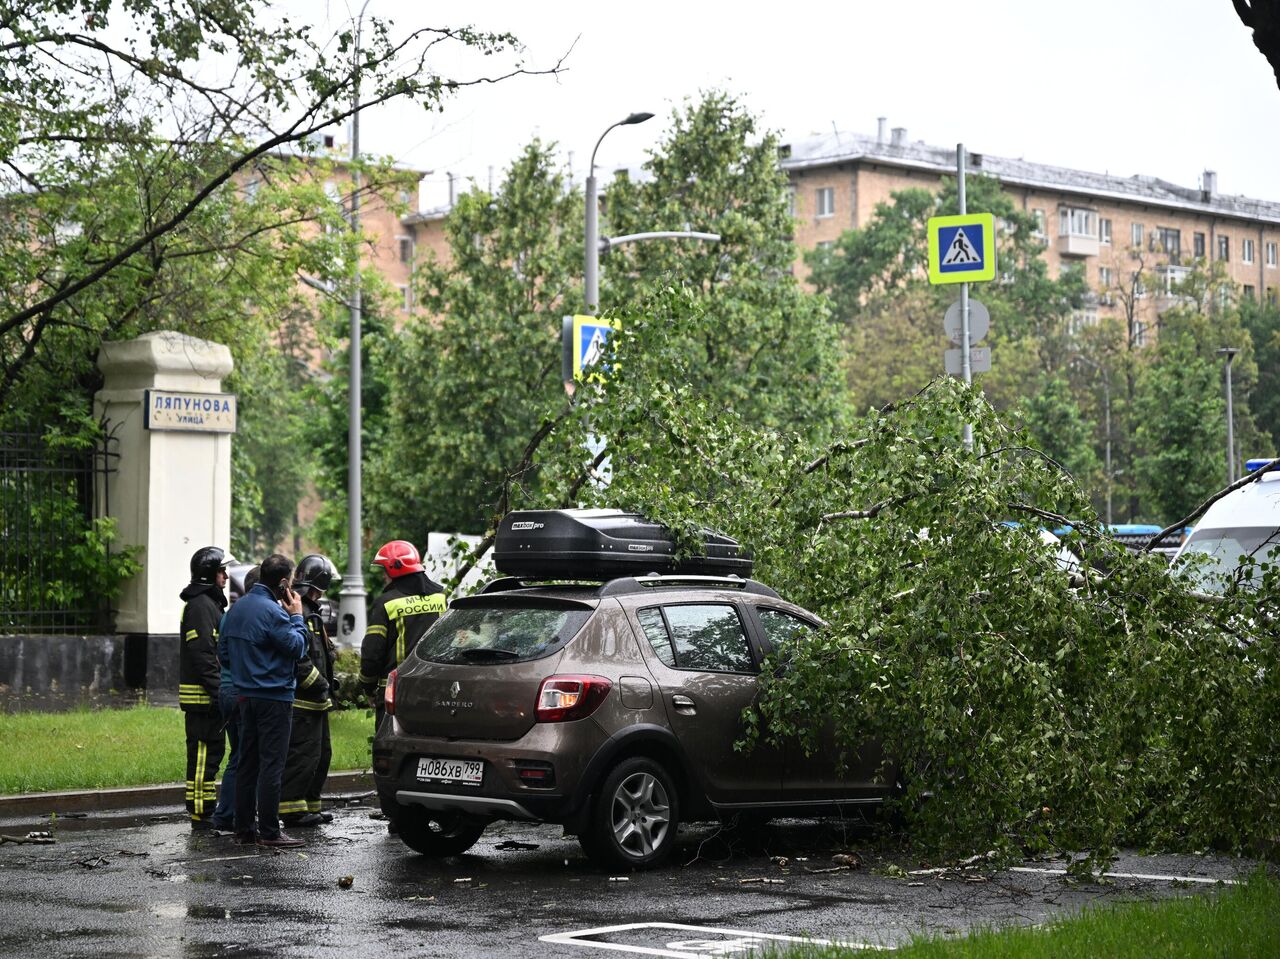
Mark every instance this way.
x=1168 y=294
x=1077 y=244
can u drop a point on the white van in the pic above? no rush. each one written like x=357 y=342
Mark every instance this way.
x=1243 y=523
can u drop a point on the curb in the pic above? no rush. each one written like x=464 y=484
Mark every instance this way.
x=137 y=797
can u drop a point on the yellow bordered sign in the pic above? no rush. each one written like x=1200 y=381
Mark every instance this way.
x=962 y=249
x=590 y=335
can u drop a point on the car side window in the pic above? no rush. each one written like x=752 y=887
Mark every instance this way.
x=709 y=637
x=782 y=630
x=655 y=630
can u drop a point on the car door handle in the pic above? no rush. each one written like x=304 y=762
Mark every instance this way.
x=684 y=704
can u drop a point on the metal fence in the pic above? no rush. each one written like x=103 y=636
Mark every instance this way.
x=47 y=508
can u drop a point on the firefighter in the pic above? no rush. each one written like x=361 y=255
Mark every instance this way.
x=199 y=676
x=410 y=603
x=310 y=752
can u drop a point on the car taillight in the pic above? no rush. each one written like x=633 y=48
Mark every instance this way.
x=563 y=698
x=389 y=697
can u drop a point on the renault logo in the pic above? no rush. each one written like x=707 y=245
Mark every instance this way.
x=454 y=690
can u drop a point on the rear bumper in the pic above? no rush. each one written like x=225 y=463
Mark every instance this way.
x=484 y=807
x=501 y=794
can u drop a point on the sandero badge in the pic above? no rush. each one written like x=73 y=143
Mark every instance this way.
x=614 y=670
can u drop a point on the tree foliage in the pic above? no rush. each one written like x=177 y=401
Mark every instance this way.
x=1039 y=711
x=475 y=384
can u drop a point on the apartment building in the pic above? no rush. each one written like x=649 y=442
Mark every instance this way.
x=1109 y=226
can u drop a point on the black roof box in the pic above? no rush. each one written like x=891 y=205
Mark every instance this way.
x=601 y=544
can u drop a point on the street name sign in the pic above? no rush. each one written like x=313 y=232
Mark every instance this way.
x=189 y=412
x=962 y=249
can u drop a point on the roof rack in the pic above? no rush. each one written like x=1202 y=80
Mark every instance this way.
x=636 y=584
x=625 y=585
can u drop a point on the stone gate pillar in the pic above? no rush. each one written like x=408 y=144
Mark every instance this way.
x=171 y=492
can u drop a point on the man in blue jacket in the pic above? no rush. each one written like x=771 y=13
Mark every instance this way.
x=265 y=636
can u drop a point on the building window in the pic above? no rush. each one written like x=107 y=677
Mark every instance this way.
x=1172 y=278
x=826 y=244
x=1038 y=216
x=1171 y=242
x=791 y=201
x=1104 y=230
x=1139 y=290
x=1246 y=251
x=1135 y=234
x=825 y=201
x=1249 y=293
x=1271 y=253
x=1074 y=221
x=1080 y=319
x=406 y=299
x=1139 y=333
x=1224 y=248
x=1271 y=296
x=406 y=248
x=1104 y=277
x=1197 y=245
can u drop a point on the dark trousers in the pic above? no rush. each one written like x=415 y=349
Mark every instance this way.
x=264 y=746
x=308 y=765
x=225 y=813
x=205 y=745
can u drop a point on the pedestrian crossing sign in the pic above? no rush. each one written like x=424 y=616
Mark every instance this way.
x=590 y=337
x=962 y=249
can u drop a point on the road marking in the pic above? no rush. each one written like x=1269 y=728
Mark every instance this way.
x=189 y=862
x=733 y=941
x=1132 y=875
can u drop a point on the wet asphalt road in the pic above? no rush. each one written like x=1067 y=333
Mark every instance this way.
x=147 y=886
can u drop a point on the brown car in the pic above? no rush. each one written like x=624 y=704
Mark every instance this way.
x=611 y=708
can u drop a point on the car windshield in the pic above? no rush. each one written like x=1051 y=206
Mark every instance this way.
x=499 y=634
x=1212 y=555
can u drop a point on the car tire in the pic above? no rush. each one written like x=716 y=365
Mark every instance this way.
x=635 y=818
x=437 y=834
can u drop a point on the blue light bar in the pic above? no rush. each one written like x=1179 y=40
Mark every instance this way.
x=1252 y=466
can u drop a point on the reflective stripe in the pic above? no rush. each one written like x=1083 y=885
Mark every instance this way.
x=191 y=634
x=376 y=631
x=313 y=805
x=202 y=752
x=193 y=694
x=311 y=678
x=415 y=605
x=294 y=805
x=313 y=706
x=368 y=680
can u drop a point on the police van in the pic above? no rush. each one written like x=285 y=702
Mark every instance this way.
x=1244 y=523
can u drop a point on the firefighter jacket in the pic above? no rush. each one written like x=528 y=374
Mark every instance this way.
x=314 y=671
x=198 y=671
x=397 y=621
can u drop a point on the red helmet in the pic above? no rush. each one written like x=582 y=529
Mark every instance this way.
x=398 y=558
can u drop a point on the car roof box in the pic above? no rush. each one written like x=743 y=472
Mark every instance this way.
x=601 y=544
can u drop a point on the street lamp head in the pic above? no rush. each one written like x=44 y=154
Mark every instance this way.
x=1228 y=351
x=637 y=118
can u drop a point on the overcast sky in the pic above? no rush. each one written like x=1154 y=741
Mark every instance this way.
x=1167 y=88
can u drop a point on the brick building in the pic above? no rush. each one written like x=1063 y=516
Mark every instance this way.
x=1106 y=225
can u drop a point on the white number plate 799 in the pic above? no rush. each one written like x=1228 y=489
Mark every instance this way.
x=467 y=771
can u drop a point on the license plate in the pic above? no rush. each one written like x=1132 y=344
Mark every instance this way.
x=469 y=772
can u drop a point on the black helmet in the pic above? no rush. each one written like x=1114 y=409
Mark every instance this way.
x=313 y=572
x=205 y=564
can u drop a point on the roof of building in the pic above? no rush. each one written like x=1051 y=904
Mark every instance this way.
x=838 y=147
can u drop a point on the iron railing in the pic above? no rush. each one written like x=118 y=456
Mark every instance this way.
x=49 y=497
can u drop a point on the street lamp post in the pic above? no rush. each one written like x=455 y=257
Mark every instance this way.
x=1229 y=352
x=591 y=274
x=352 y=597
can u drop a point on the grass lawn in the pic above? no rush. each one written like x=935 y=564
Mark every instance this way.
x=97 y=749
x=1236 y=921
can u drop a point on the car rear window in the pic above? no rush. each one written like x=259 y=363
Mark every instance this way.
x=500 y=634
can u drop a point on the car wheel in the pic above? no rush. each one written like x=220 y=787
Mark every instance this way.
x=437 y=834
x=636 y=815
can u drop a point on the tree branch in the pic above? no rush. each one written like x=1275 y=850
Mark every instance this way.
x=1195 y=513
